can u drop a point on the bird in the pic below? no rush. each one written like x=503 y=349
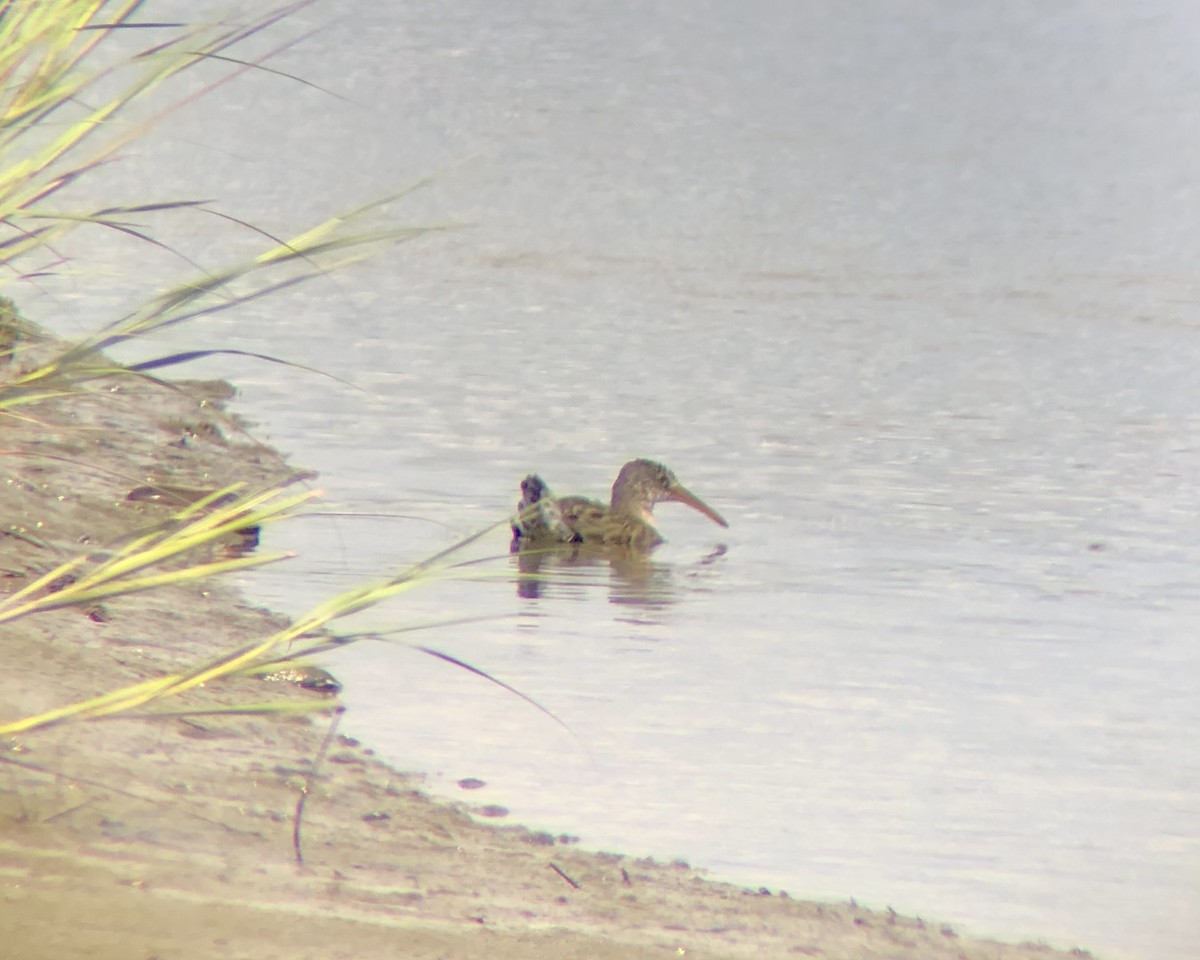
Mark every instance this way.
x=539 y=516
x=626 y=521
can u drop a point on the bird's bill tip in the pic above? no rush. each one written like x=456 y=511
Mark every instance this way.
x=683 y=495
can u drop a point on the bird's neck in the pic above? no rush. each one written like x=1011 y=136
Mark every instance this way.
x=629 y=504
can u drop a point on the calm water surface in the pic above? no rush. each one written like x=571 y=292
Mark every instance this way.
x=908 y=293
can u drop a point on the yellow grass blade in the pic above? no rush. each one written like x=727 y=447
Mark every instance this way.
x=201 y=571
x=97 y=574
x=58 y=573
x=136 y=693
x=249 y=656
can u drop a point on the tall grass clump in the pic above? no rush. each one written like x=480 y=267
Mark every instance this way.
x=78 y=85
x=63 y=102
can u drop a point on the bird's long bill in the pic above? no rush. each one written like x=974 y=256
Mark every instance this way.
x=684 y=495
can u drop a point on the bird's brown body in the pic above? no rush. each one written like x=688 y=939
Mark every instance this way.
x=626 y=521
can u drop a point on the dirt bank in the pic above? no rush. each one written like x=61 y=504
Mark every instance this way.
x=173 y=838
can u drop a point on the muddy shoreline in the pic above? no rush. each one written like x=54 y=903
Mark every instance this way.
x=173 y=838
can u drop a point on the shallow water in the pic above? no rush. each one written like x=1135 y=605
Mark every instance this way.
x=907 y=295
